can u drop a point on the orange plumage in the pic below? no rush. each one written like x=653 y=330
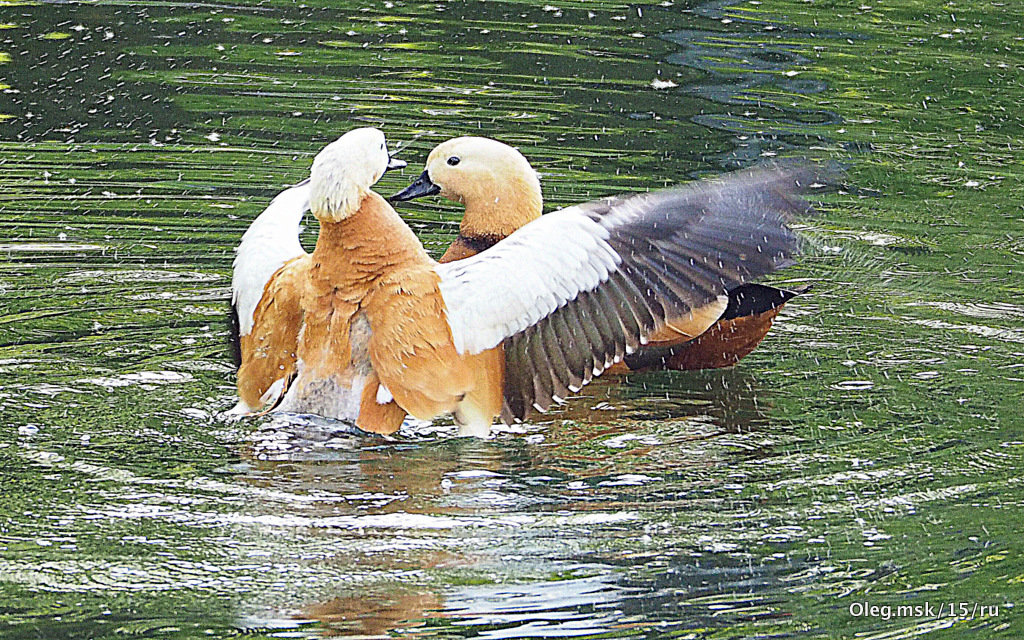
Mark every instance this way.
x=368 y=327
x=501 y=194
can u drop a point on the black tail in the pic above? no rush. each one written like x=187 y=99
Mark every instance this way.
x=752 y=299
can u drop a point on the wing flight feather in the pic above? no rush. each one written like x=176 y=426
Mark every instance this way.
x=581 y=288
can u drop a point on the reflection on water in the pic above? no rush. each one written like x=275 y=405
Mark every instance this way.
x=374 y=614
x=868 y=451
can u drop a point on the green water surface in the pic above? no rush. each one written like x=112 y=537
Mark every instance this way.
x=868 y=454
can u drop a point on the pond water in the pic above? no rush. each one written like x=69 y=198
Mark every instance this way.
x=869 y=453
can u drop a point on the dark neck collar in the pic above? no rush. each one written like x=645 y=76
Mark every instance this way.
x=479 y=243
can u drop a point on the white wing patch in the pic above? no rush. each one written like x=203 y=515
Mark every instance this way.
x=271 y=240
x=553 y=259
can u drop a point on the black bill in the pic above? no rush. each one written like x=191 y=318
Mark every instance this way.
x=421 y=187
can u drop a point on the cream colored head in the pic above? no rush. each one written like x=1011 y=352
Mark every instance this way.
x=344 y=171
x=500 y=189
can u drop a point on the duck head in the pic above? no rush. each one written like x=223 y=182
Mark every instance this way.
x=499 y=188
x=344 y=171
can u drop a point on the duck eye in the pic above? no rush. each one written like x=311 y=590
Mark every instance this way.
x=454 y=160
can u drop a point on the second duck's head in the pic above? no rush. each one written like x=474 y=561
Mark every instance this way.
x=499 y=188
x=344 y=171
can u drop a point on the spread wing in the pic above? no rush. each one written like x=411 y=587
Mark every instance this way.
x=270 y=241
x=269 y=350
x=577 y=290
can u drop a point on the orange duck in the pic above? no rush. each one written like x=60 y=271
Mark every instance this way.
x=501 y=193
x=368 y=328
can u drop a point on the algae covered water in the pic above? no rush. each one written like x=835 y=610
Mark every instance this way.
x=858 y=476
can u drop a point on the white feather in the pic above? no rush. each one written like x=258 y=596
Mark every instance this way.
x=383 y=395
x=524 y=278
x=273 y=392
x=239 y=411
x=271 y=240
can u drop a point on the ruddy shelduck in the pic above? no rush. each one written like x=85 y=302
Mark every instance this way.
x=368 y=327
x=501 y=193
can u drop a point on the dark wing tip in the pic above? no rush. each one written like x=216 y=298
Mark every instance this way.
x=234 y=336
x=797 y=176
x=781 y=183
